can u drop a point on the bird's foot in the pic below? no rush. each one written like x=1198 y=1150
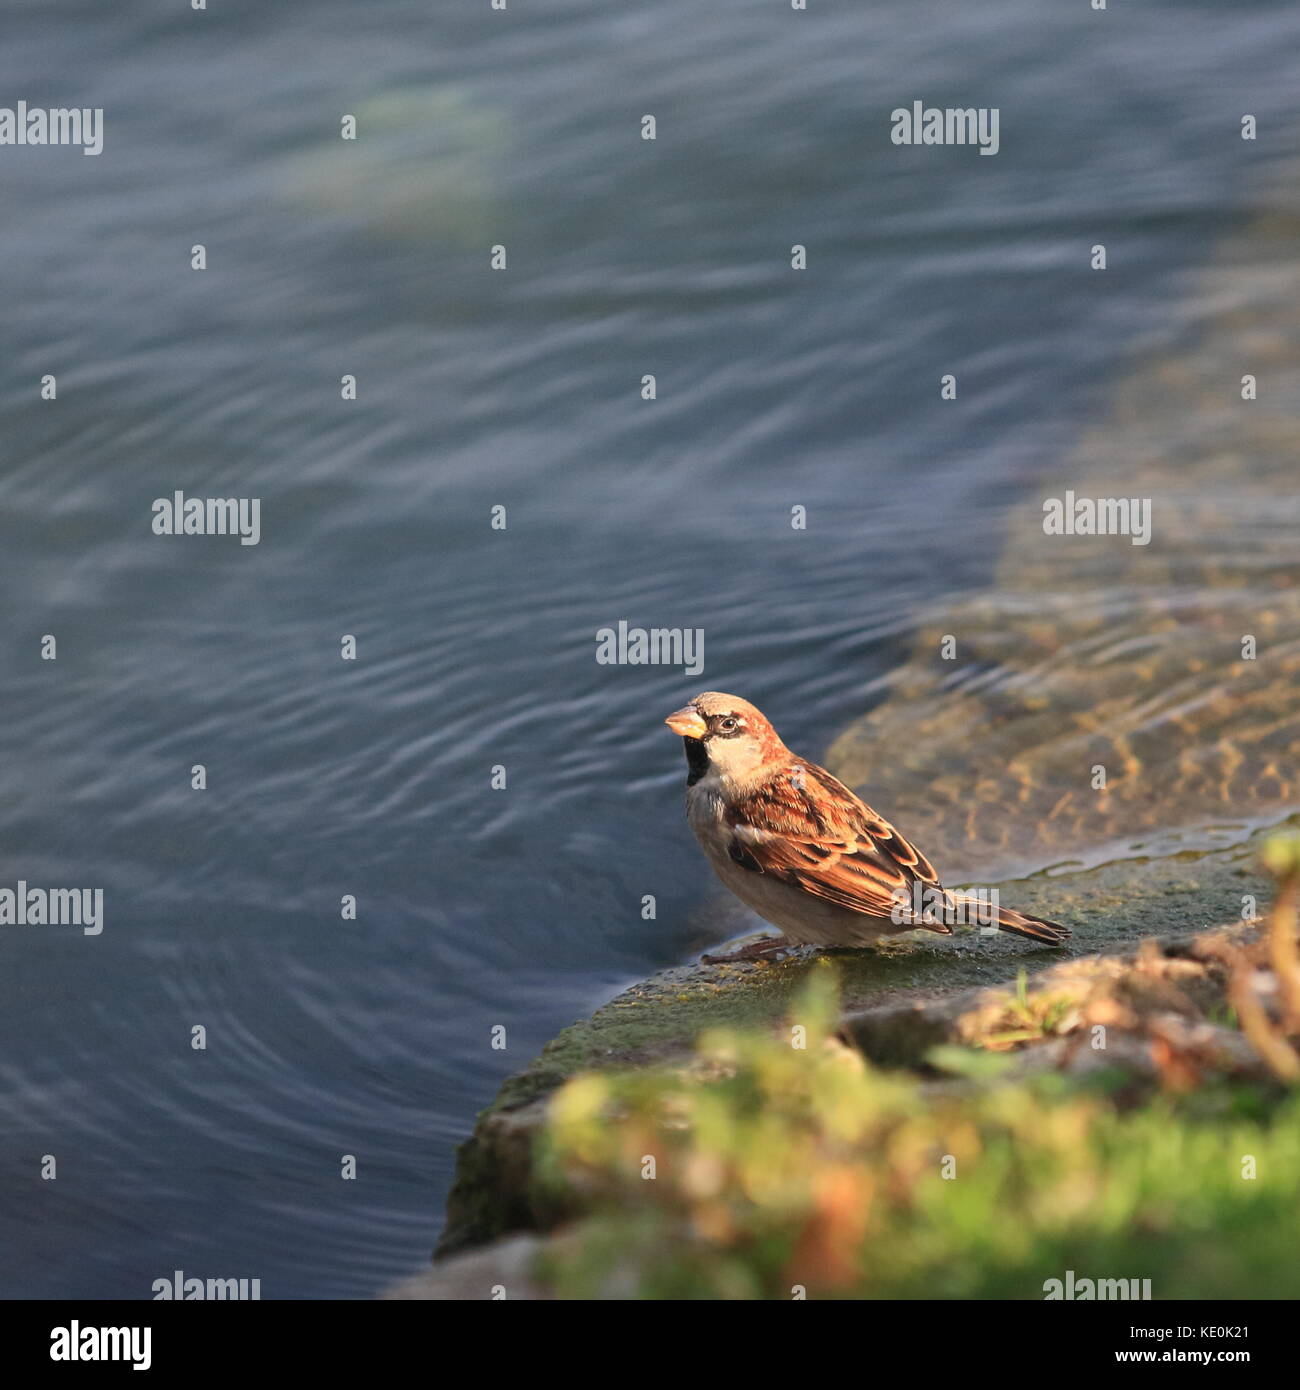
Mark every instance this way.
x=765 y=949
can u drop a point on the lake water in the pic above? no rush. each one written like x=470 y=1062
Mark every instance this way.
x=480 y=907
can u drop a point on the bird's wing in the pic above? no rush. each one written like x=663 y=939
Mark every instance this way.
x=803 y=826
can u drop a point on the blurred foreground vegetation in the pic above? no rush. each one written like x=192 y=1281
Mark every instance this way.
x=781 y=1163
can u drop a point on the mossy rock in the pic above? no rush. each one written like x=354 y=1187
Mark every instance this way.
x=903 y=979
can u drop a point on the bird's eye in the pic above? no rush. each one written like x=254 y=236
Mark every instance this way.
x=729 y=723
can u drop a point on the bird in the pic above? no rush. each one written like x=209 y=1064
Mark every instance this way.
x=803 y=851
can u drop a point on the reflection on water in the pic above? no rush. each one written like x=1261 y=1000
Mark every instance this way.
x=476 y=648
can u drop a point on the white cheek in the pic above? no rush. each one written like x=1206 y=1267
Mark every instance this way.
x=733 y=756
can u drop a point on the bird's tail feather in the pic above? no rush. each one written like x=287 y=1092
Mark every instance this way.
x=970 y=910
x=1035 y=928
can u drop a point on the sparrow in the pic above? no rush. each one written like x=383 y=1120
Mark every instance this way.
x=800 y=849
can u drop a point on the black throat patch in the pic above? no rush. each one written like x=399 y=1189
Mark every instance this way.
x=697 y=760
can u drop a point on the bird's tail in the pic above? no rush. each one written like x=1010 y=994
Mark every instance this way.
x=974 y=910
x=1035 y=928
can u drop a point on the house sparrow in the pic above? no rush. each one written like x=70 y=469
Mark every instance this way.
x=799 y=848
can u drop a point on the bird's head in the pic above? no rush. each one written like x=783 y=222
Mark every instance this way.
x=726 y=735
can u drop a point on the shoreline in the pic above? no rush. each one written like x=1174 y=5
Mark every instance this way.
x=1111 y=909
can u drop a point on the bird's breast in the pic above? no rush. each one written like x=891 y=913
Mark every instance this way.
x=705 y=812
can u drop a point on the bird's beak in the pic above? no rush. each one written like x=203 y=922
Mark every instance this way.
x=688 y=722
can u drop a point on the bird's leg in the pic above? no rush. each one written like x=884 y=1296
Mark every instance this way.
x=756 y=950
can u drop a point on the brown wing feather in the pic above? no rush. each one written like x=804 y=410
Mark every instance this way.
x=807 y=828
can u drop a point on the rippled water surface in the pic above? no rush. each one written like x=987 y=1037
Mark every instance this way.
x=477 y=647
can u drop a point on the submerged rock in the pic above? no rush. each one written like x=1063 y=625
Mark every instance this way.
x=501 y=1271
x=426 y=164
x=1174 y=664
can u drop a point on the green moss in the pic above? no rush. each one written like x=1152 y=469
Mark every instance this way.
x=777 y=1168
